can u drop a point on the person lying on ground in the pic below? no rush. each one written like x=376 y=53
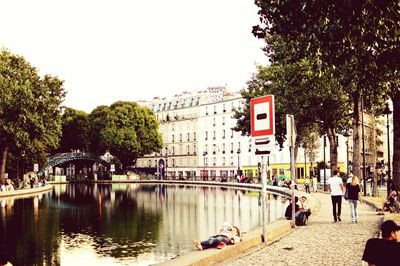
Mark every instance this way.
x=227 y=235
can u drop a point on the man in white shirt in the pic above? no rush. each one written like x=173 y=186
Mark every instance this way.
x=336 y=188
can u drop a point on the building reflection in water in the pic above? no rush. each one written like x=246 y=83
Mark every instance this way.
x=123 y=224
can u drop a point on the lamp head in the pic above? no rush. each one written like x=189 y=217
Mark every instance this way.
x=387 y=110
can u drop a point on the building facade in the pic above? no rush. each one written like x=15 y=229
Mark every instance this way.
x=199 y=142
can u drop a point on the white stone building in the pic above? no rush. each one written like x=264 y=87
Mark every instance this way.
x=199 y=141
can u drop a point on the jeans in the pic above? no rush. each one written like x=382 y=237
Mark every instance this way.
x=336 y=201
x=213 y=241
x=353 y=210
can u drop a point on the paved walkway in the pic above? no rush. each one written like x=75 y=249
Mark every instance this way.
x=321 y=242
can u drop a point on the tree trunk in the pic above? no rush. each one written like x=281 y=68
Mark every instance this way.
x=333 y=154
x=3 y=152
x=356 y=136
x=396 y=140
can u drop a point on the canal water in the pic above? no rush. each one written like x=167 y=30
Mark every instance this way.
x=122 y=224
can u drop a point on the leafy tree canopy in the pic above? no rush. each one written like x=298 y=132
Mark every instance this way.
x=127 y=130
x=29 y=108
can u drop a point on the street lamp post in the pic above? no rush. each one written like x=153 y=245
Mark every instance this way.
x=324 y=164
x=387 y=112
x=347 y=135
x=238 y=170
x=166 y=163
x=204 y=163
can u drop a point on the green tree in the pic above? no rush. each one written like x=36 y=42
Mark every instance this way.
x=75 y=130
x=129 y=131
x=300 y=91
x=347 y=38
x=98 y=120
x=29 y=108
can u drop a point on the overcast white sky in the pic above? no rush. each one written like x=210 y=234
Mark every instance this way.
x=109 y=50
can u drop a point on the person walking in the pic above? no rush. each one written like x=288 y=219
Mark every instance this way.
x=315 y=183
x=307 y=184
x=383 y=251
x=354 y=195
x=335 y=185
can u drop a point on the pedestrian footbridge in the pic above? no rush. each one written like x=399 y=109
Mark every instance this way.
x=61 y=158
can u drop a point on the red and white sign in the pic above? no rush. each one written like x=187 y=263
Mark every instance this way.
x=262 y=116
x=112 y=167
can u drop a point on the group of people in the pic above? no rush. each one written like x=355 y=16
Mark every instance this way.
x=33 y=182
x=352 y=195
x=8 y=185
x=227 y=235
x=301 y=211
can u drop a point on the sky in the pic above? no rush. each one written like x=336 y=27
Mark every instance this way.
x=110 y=50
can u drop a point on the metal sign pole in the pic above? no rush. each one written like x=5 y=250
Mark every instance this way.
x=264 y=187
x=292 y=165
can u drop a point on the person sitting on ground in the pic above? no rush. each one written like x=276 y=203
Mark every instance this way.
x=391 y=204
x=227 y=235
x=304 y=206
x=301 y=213
x=383 y=251
x=288 y=212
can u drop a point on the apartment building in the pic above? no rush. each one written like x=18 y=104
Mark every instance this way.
x=199 y=141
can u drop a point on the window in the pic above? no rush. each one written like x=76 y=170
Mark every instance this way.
x=223 y=148
x=214 y=122
x=231 y=134
x=206 y=161
x=173 y=150
x=206 y=135
x=223 y=160
x=173 y=138
x=173 y=162
x=231 y=160
x=206 y=110
x=194 y=149
x=194 y=136
x=215 y=109
x=206 y=148
x=180 y=137
x=149 y=163
x=249 y=146
x=214 y=149
x=223 y=134
x=214 y=136
x=214 y=161
x=231 y=147
x=188 y=149
x=173 y=126
x=223 y=107
x=223 y=120
x=188 y=136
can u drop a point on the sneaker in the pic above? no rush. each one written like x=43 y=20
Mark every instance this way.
x=221 y=245
x=339 y=219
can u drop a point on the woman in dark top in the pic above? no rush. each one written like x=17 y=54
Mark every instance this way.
x=353 y=197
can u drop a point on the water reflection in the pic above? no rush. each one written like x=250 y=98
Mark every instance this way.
x=121 y=224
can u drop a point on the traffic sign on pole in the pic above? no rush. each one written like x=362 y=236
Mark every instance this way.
x=262 y=116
